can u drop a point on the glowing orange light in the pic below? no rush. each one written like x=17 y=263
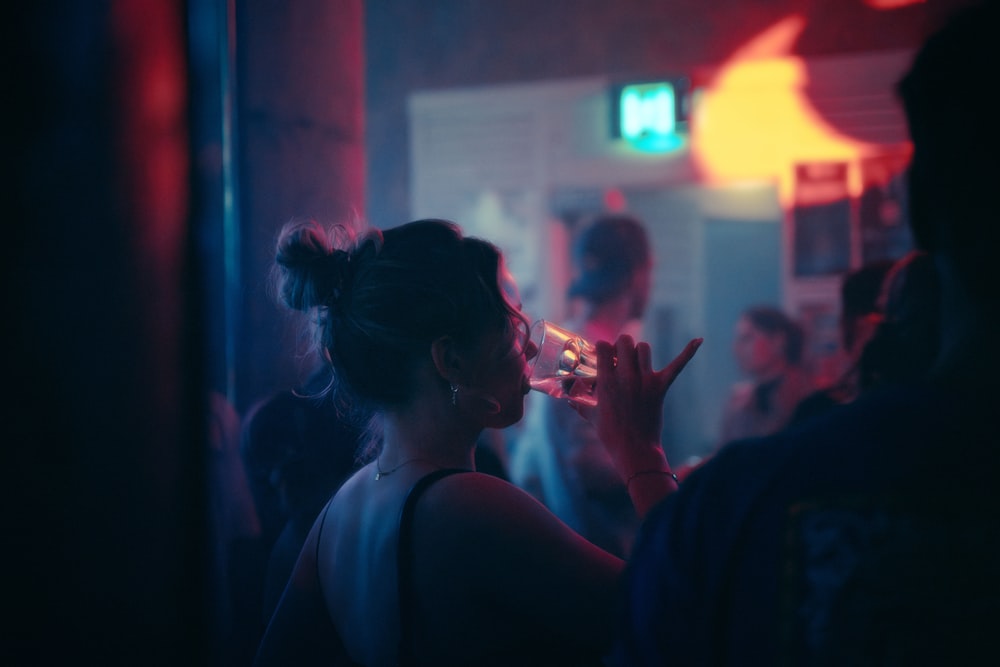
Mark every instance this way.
x=891 y=4
x=753 y=122
x=614 y=200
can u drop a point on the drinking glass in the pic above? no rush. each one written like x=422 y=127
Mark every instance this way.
x=566 y=364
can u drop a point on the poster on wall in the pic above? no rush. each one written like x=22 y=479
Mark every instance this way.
x=821 y=220
x=882 y=210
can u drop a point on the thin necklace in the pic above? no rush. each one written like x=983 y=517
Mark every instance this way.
x=379 y=473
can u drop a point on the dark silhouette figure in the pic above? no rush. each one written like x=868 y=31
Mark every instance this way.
x=298 y=450
x=908 y=339
x=860 y=315
x=236 y=536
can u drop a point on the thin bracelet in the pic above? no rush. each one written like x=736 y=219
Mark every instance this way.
x=628 y=482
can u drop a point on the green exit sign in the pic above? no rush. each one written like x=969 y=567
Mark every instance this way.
x=647 y=108
x=649 y=115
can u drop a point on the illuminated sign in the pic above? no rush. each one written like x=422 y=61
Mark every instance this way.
x=649 y=115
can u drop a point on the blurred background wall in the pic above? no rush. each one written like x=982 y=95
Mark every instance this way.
x=500 y=116
x=305 y=144
x=437 y=77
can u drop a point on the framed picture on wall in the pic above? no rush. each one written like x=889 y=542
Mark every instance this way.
x=821 y=220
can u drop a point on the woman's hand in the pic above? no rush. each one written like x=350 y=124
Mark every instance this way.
x=629 y=411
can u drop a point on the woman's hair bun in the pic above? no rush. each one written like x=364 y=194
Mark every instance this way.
x=312 y=272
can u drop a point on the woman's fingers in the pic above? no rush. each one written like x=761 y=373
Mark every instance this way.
x=605 y=362
x=626 y=363
x=627 y=384
x=644 y=355
x=674 y=368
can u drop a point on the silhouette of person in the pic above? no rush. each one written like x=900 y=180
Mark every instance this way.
x=907 y=341
x=860 y=315
x=298 y=448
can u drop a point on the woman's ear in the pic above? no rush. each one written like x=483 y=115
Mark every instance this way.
x=447 y=359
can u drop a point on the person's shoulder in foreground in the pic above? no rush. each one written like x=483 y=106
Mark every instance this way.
x=824 y=540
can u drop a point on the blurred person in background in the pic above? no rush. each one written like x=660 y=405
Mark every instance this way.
x=298 y=448
x=768 y=347
x=558 y=456
x=860 y=315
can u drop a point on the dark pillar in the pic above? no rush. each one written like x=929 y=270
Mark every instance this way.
x=102 y=435
x=300 y=118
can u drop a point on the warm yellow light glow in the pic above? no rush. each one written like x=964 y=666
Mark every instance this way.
x=753 y=122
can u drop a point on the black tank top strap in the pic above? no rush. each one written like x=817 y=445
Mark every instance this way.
x=404 y=560
x=319 y=538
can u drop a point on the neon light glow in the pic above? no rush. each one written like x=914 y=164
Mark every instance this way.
x=647 y=108
x=754 y=122
x=648 y=118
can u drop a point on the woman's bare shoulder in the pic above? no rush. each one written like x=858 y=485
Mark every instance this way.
x=483 y=513
x=480 y=496
x=482 y=538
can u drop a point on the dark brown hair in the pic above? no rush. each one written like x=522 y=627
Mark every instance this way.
x=382 y=298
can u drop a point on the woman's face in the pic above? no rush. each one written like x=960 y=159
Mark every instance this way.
x=757 y=352
x=503 y=372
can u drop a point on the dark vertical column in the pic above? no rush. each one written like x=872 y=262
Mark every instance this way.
x=300 y=119
x=102 y=438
